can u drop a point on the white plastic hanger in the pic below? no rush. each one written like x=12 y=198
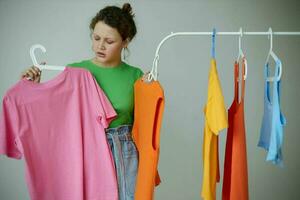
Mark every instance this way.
x=152 y=76
x=276 y=59
x=35 y=63
x=241 y=54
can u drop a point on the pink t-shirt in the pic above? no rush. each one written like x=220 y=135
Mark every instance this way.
x=58 y=127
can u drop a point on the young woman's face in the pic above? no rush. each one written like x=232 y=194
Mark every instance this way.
x=107 y=44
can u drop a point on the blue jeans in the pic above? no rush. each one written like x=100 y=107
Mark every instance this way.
x=126 y=159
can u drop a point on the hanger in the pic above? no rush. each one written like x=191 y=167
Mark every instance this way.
x=276 y=59
x=152 y=75
x=213 y=41
x=241 y=54
x=35 y=63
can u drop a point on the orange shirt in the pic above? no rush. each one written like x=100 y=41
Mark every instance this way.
x=235 y=183
x=215 y=121
x=148 y=111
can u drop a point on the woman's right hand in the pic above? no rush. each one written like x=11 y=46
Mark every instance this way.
x=33 y=73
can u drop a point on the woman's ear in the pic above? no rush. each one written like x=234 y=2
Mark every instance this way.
x=125 y=43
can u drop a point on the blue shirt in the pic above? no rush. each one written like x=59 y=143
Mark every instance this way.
x=271 y=133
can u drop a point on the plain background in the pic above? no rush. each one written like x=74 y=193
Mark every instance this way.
x=62 y=27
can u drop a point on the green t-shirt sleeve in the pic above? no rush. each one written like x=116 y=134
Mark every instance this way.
x=140 y=73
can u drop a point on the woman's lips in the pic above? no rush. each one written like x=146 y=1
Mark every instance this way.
x=100 y=54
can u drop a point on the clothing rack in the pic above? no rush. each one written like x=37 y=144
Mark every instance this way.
x=153 y=73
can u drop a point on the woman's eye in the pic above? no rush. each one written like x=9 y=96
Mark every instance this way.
x=110 y=42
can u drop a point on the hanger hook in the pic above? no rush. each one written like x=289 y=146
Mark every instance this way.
x=240 y=51
x=32 y=55
x=153 y=73
x=213 y=49
x=271 y=38
x=240 y=39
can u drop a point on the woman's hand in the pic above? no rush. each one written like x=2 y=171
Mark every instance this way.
x=33 y=73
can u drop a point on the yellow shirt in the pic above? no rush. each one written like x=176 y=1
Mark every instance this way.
x=215 y=120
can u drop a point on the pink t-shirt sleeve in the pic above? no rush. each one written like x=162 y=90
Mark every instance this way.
x=106 y=111
x=9 y=126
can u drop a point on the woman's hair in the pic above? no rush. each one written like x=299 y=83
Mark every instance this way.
x=118 y=18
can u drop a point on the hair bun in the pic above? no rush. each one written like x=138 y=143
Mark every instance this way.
x=127 y=8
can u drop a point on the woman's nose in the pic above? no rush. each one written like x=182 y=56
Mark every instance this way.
x=101 y=45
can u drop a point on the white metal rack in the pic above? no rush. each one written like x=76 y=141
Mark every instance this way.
x=153 y=73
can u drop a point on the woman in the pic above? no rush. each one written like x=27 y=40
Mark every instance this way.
x=111 y=31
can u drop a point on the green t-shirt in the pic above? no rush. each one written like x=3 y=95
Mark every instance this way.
x=117 y=83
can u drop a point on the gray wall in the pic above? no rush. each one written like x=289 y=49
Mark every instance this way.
x=62 y=27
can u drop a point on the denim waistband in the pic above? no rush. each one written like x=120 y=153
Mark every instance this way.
x=123 y=132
